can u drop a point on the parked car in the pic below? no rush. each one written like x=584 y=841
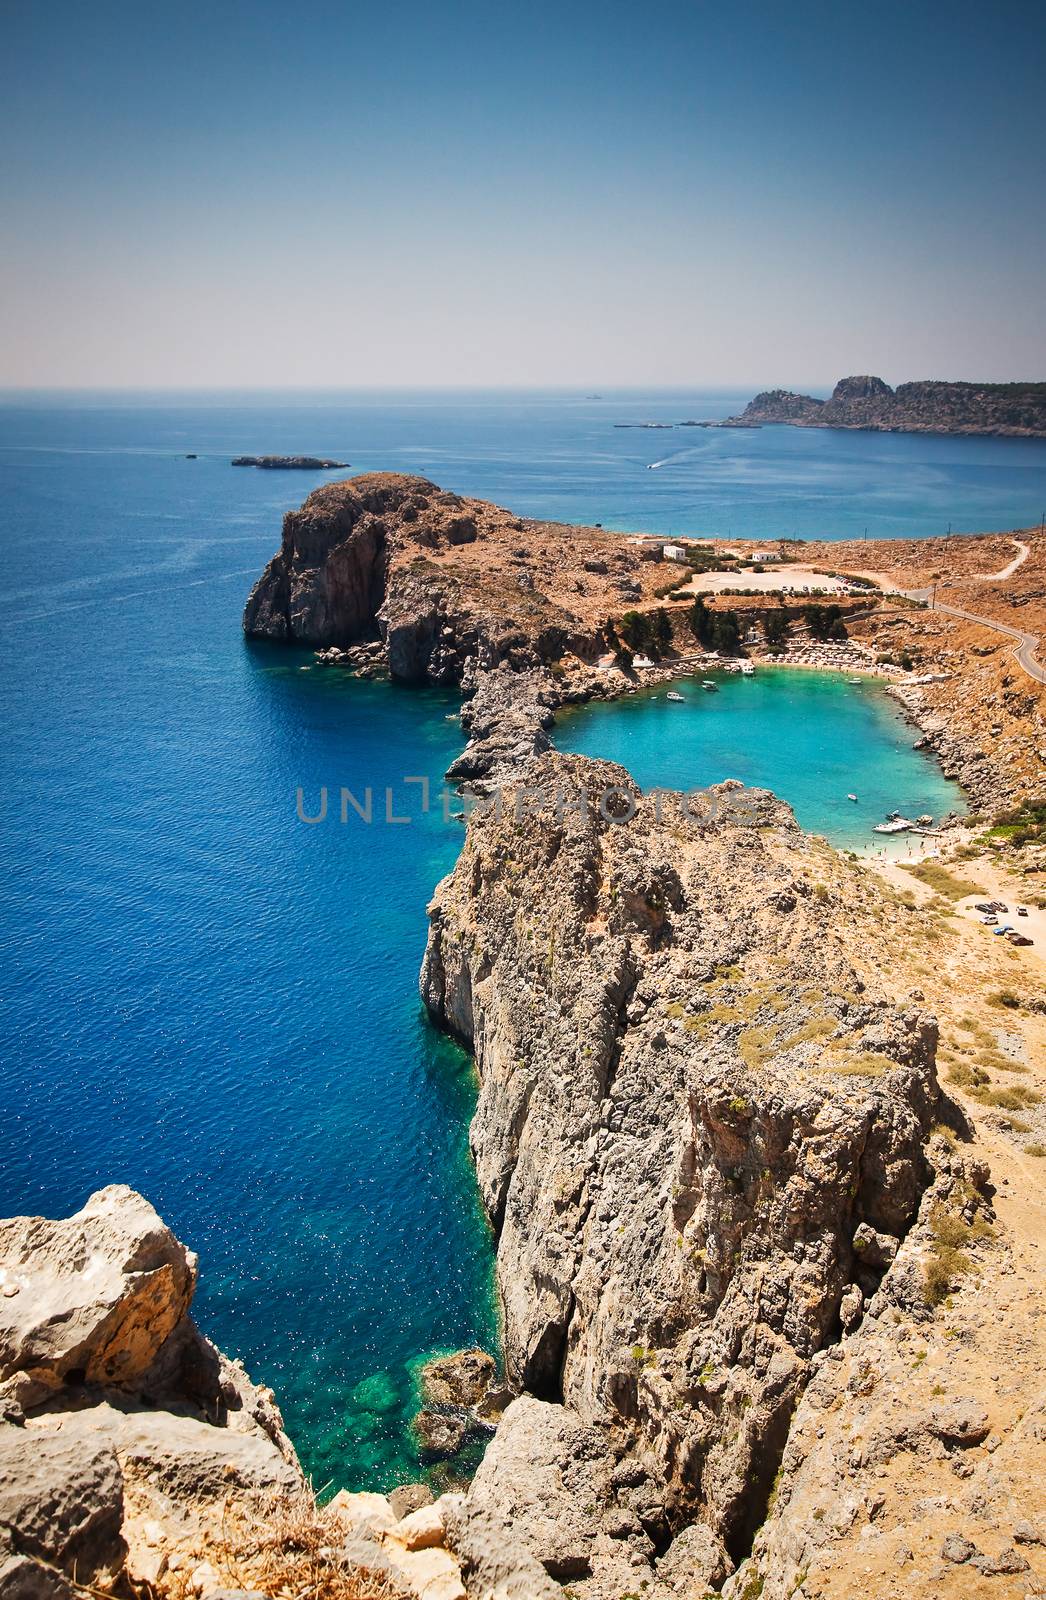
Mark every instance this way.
x=989 y=922
x=1022 y=911
x=985 y=905
x=1019 y=938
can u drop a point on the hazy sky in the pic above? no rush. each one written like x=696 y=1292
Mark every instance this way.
x=528 y=193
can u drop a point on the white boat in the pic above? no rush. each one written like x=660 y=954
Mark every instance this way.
x=671 y=695
x=851 y=797
x=853 y=680
x=706 y=683
x=747 y=669
x=901 y=825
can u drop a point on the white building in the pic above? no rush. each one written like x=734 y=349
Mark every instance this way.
x=673 y=552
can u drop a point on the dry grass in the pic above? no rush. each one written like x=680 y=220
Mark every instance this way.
x=941 y=881
x=286 y=1547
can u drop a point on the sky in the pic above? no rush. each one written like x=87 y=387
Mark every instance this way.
x=529 y=194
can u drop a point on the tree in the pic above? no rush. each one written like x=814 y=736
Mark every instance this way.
x=775 y=629
x=726 y=632
x=662 y=630
x=623 y=658
x=635 y=629
x=715 y=630
x=701 y=622
x=822 y=620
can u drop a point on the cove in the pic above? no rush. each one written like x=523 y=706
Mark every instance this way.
x=809 y=736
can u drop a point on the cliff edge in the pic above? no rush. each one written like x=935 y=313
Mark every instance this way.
x=699 y=1137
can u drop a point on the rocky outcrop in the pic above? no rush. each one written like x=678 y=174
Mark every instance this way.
x=362 y=559
x=327 y=581
x=779 y=405
x=446 y=588
x=136 y=1459
x=1017 y=409
x=507 y=721
x=115 y=1412
x=903 y=1461
x=690 y=1104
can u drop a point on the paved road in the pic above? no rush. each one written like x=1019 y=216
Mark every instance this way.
x=1027 y=643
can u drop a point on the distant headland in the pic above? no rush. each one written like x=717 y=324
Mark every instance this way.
x=1017 y=409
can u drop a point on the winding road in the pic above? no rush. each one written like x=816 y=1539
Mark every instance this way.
x=1027 y=643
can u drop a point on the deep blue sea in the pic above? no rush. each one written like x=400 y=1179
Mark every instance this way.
x=210 y=1000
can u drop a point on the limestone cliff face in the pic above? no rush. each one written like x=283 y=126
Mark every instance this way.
x=327 y=581
x=693 y=1117
x=373 y=558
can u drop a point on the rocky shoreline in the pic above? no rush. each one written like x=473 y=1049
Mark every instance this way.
x=724 y=1183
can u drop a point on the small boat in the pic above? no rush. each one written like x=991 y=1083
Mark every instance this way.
x=854 y=680
x=851 y=797
x=712 y=688
x=747 y=669
x=671 y=695
x=899 y=825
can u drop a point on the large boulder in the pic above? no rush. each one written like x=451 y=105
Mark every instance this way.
x=91 y=1298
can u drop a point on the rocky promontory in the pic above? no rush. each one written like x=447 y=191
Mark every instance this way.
x=699 y=1139
x=443 y=584
x=1017 y=409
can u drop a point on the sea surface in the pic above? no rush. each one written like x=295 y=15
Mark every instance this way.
x=209 y=999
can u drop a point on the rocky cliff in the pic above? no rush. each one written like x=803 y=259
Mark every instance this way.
x=932 y=407
x=138 y=1461
x=438 y=583
x=699 y=1138
x=122 y=1429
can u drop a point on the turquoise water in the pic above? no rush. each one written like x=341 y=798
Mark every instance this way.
x=205 y=998
x=810 y=736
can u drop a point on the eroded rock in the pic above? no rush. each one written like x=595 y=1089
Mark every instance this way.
x=688 y=1108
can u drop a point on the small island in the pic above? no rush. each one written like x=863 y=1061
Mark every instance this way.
x=288 y=463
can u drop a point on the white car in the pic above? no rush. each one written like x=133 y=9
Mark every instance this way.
x=1022 y=911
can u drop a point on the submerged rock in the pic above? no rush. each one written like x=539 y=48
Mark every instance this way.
x=440 y=1433
x=461 y=1379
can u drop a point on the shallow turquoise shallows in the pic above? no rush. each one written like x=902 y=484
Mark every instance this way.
x=204 y=997
x=810 y=736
